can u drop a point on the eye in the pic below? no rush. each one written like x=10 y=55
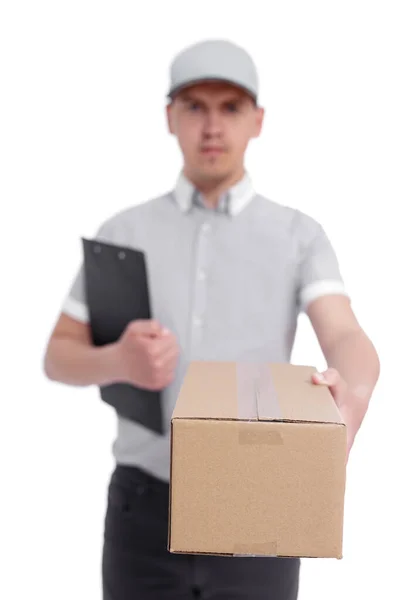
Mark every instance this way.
x=194 y=106
x=232 y=107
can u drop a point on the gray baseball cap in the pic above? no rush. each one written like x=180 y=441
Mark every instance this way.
x=214 y=60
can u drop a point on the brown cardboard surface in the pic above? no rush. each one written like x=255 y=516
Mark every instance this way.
x=259 y=391
x=299 y=398
x=209 y=391
x=257 y=463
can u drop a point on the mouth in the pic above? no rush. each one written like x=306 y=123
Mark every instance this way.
x=212 y=151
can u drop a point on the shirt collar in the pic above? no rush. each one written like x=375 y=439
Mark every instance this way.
x=232 y=202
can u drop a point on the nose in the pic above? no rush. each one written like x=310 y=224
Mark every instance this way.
x=212 y=124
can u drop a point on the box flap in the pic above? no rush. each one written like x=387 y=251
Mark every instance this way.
x=209 y=390
x=254 y=391
x=290 y=388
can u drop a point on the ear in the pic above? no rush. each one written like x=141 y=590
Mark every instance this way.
x=259 y=121
x=170 y=120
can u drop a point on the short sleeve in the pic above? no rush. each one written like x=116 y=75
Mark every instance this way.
x=75 y=304
x=319 y=272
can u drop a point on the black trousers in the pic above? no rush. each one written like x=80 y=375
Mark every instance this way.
x=137 y=566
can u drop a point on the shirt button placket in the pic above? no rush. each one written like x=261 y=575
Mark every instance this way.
x=199 y=296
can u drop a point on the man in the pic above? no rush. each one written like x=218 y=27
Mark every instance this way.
x=229 y=272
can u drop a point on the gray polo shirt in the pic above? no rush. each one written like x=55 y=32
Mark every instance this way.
x=229 y=282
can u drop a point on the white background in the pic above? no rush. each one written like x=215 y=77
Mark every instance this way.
x=83 y=134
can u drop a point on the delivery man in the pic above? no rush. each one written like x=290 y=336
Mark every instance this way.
x=229 y=272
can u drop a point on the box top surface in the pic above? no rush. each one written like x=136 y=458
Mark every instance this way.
x=254 y=391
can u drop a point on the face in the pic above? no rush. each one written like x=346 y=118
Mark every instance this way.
x=214 y=123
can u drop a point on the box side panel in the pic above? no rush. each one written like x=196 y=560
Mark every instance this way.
x=257 y=488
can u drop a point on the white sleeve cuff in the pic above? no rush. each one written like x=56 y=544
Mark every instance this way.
x=316 y=289
x=75 y=309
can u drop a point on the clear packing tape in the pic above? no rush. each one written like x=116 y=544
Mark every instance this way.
x=256 y=398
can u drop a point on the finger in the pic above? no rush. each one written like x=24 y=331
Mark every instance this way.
x=170 y=360
x=146 y=327
x=328 y=377
x=165 y=366
x=332 y=379
x=169 y=376
x=161 y=346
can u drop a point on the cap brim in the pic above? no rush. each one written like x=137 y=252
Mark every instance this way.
x=188 y=84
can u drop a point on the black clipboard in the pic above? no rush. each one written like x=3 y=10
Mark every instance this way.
x=117 y=292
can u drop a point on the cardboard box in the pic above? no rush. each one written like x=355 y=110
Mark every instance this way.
x=258 y=463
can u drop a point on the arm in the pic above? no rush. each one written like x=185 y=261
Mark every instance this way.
x=353 y=363
x=72 y=359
